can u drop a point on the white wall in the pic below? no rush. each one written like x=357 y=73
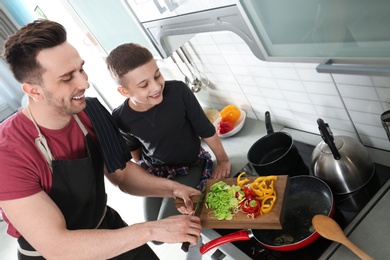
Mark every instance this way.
x=294 y=93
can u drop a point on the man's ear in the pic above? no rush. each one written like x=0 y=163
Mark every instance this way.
x=32 y=90
x=123 y=91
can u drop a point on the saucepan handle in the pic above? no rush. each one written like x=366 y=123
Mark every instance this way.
x=240 y=235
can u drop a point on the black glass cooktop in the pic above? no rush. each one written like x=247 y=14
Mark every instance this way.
x=346 y=208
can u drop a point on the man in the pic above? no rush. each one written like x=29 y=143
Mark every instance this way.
x=54 y=153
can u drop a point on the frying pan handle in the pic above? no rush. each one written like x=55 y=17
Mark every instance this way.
x=328 y=138
x=241 y=235
x=268 y=124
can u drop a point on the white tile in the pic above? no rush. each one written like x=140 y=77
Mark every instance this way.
x=240 y=70
x=262 y=72
x=384 y=94
x=352 y=79
x=293 y=85
x=308 y=118
x=376 y=142
x=385 y=105
x=245 y=80
x=278 y=103
x=272 y=93
x=326 y=100
x=325 y=88
x=256 y=100
x=265 y=82
x=359 y=92
x=302 y=108
x=250 y=90
x=313 y=75
x=285 y=73
x=365 y=118
x=381 y=81
x=296 y=97
x=369 y=130
x=374 y=107
x=332 y=112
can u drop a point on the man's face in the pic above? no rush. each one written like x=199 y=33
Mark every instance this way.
x=144 y=86
x=64 y=80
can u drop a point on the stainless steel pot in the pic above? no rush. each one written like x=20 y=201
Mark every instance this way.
x=341 y=161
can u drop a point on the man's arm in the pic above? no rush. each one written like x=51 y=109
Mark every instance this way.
x=136 y=181
x=42 y=224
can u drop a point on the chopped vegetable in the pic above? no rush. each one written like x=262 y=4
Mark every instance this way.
x=222 y=200
x=253 y=199
x=241 y=182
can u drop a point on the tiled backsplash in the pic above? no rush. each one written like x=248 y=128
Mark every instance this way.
x=294 y=93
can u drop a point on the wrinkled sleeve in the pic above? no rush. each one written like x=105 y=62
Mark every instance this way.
x=115 y=151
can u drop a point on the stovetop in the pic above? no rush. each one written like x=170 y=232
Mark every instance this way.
x=346 y=208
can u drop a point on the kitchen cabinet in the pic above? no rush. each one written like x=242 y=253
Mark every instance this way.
x=164 y=9
x=314 y=30
x=111 y=23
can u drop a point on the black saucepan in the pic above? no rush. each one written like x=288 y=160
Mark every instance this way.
x=307 y=197
x=276 y=154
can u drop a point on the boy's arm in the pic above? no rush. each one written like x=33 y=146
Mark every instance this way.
x=222 y=170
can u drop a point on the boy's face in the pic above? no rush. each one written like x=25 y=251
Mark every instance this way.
x=144 y=86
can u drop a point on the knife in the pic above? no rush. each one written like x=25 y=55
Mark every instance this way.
x=197 y=212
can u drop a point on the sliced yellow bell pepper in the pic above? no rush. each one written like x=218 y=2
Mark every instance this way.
x=267 y=204
x=242 y=182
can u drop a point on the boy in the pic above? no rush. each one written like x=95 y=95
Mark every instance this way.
x=162 y=123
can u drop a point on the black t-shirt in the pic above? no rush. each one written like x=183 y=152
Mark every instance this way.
x=169 y=132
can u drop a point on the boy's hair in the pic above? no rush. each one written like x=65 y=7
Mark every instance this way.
x=22 y=48
x=125 y=58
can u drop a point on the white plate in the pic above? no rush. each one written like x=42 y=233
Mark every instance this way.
x=237 y=126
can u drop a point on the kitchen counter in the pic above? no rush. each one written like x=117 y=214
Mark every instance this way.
x=368 y=230
x=371 y=234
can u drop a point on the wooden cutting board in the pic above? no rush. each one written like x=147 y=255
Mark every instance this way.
x=270 y=220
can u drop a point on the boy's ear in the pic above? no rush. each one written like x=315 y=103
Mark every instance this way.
x=123 y=91
x=32 y=90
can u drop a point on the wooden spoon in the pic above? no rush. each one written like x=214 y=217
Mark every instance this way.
x=329 y=229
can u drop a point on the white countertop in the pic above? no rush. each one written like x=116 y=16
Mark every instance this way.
x=372 y=233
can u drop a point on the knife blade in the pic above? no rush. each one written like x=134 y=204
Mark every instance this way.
x=197 y=212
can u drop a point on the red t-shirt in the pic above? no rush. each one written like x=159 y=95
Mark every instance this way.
x=23 y=169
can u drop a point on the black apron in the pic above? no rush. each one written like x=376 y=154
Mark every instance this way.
x=79 y=192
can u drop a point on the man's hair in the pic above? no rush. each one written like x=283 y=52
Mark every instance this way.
x=22 y=48
x=125 y=58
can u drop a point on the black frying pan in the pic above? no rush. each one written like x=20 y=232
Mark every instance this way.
x=307 y=197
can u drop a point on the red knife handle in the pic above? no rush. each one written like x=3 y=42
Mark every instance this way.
x=240 y=235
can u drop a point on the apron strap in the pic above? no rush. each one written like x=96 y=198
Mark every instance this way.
x=41 y=142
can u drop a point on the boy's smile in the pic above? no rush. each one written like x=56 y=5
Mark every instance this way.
x=144 y=86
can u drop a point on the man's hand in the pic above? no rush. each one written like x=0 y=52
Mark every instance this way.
x=185 y=193
x=176 y=229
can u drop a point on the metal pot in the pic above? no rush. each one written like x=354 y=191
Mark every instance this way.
x=276 y=154
x=341 y=161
